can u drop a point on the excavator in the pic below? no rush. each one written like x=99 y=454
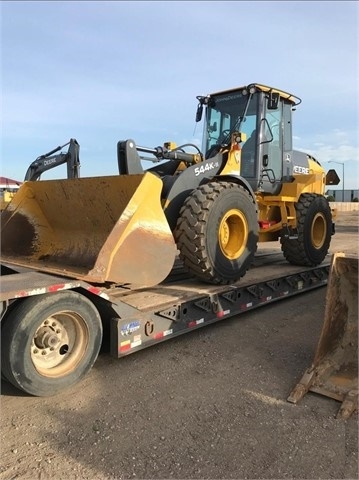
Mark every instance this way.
x=49 y=160
x=46 y=162
x=248 y=186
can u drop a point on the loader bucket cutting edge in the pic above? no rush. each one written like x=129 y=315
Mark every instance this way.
x=102 y=229
x=334 y=371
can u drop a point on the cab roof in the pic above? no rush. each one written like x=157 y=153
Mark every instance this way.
x=264 y=88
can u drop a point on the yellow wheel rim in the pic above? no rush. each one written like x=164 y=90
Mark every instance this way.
x=233 y=234
x=318 y=231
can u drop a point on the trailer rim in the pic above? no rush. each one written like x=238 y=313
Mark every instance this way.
x=24 y=325
x=59 y=344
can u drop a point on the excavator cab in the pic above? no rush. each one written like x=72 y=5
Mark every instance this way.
x=264 y=116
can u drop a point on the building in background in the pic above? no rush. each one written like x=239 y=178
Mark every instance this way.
x=8 y=188
x=349 y=195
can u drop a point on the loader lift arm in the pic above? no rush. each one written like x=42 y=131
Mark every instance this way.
x=129 y=161
x=48 y=161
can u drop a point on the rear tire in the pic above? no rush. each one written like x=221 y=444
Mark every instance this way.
x=314 y=225
x=50 y=342
x=217 y=232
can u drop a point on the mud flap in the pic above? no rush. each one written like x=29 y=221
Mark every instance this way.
x=334 y=371
x=98 y=229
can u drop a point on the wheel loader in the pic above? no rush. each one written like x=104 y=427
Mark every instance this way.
x=210 y=207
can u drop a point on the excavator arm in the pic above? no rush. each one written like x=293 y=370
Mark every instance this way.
x=48 y=161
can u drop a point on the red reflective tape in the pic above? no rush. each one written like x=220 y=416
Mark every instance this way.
x=124 y=348
x=98 y=291
x=55 y=288
x=22 y=294
x=192 y=324
x=244 y=306
x=94 y=290
x=265 y=299
x=158 y=335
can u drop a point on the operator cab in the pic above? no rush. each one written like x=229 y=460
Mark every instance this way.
x=264 y=115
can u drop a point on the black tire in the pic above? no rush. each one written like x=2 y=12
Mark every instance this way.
x=50 y=342
x=217 y=232
x=314 y=225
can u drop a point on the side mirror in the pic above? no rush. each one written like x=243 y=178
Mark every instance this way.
x=273 y=101
x=199 y=112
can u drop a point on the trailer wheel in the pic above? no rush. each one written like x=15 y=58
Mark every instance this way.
x=50 y=342
x=314 y=225
x=217 y=232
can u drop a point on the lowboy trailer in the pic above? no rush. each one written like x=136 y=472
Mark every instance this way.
x=53 y=326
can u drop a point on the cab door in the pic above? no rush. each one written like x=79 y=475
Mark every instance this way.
x=271 y=144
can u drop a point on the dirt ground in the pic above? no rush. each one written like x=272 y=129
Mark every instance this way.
x=208 y=405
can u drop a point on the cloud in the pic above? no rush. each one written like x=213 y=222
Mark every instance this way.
x=340 y=147
x=341 y=153
x=334 y=145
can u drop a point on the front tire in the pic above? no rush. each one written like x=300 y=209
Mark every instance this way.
x=217 y=232
x=314 y=225
x=50 y=342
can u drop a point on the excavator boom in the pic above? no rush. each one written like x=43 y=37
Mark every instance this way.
x=48 y=161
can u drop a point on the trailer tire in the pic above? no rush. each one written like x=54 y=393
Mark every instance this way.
x=217 y=232
x=50 y=342
x=314 y=226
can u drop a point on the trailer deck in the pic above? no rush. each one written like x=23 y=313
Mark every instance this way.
x=182 y=303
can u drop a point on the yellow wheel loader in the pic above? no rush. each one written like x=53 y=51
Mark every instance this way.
x=248 y=186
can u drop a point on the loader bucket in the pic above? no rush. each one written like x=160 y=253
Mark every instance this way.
x=334 y=371
x=99 y=229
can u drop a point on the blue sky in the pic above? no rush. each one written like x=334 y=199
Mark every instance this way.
x=102 y=72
